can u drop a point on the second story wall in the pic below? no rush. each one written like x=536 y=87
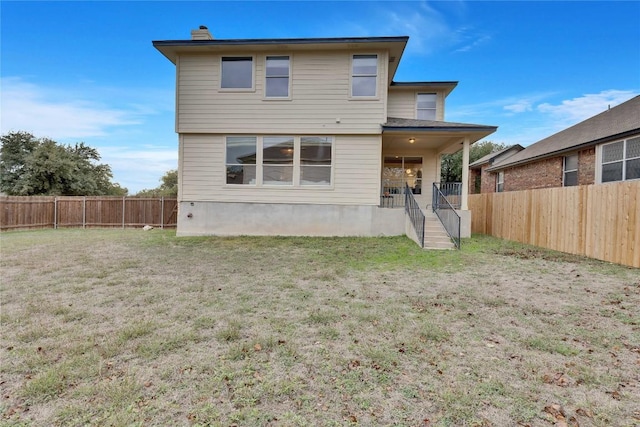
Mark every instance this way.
x=319 y=101
x=402 y=102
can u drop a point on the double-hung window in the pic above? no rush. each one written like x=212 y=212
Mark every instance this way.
x=570 y=171
x=500 y=182
x=621 y=160
x=241 y=160
x=277 y=160
x=426 y=106
x=277 y=77
x=315 y=160
x=364 y=75
x=236 y=72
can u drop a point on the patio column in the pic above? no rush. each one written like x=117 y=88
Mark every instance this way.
x=465 y=174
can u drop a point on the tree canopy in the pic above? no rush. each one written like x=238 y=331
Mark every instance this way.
x=451 y=170
x=168 y=188
x=31 y=166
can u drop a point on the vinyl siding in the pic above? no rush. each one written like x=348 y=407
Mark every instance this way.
x=356 y=174
x=402 y=103
x=320 y=94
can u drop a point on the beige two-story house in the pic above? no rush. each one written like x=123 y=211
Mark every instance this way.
x=305 y=136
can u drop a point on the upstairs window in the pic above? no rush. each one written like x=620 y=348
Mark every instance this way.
x=621 y=160
x=364 y=75
x=237 y=72
x=277 y=77
x=426 y=106
x=570 y=171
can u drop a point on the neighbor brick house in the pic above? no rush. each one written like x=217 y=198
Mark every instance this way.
x=306 y=136
x=481 y=181
x=604 y=148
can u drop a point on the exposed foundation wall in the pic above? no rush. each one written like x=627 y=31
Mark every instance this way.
x=270 y=219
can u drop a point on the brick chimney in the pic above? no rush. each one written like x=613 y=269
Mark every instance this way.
x=201 y=33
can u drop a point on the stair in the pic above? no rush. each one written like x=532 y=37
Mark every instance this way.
x=435 y=236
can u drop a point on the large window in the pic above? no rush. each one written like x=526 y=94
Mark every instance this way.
x=364 y=75
x=620 y=161
x=279 y=160
x=315 y=160
x=277 y=77
x=570 y=171
x=241 y=160
x=237 y=72
x=426 y=106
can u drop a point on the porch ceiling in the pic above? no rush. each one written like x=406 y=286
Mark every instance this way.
x=443 y=137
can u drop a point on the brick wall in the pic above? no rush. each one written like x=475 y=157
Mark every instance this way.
x=488 y=183
x=587 y=166
x=541 y=174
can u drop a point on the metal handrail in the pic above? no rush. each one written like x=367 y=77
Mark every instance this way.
x=452 y=191
x=446 y=214
x=416 y=216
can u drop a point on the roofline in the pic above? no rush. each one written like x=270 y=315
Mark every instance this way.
x=439 y=128
x=248 y=42
x=610 y=138
x=476 y=164
x=401 y=84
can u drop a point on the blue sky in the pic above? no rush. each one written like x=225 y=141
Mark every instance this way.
x=86 y=71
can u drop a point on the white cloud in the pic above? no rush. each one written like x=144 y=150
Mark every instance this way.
x=46 y=112
x=519 y=107
x=138 y=168
x=572 y=111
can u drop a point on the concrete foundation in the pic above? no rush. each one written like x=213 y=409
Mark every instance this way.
x=271 y=219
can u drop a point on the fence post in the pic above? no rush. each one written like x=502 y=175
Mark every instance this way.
x=55 y=213
x=162 y=213
x=124 y=202
x=84 y=212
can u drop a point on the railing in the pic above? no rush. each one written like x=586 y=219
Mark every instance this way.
x=447 y=214
x=452 y=191
x=415 y=214
x=393 y=192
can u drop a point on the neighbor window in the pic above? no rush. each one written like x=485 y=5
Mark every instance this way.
x=241 y=159
x=500 y=182
x=621 y=160
x=277 y=160
x=426 y=106
x=277 y=77
x=237 y=72
x=570 y=171
x=315 y=160
x=364 y=75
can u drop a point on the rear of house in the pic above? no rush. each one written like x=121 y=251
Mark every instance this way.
x=304 y=136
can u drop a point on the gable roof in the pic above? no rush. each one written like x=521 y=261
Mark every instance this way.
x=617 y=122
x=491 y=156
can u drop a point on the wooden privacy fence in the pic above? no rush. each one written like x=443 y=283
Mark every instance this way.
x=57 y=212
x=599 y=221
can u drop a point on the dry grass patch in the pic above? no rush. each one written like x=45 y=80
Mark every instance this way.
x=112 y=327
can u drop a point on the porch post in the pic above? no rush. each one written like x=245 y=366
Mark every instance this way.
x=465 y=175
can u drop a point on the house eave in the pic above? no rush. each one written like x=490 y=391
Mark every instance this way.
x=577 y=147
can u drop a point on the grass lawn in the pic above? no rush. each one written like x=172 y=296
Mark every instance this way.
x=126 y=327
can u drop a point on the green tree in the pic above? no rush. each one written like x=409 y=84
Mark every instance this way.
x=451 y=167
x=30 y=166
x=168 y=188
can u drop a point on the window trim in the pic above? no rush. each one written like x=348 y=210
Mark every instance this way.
x=624 y=160
x=435 y=109
x=500 y=182
x=376 y=95
x=565 y=170
x=239 y=89
x=297 y=166
x=289 y=77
